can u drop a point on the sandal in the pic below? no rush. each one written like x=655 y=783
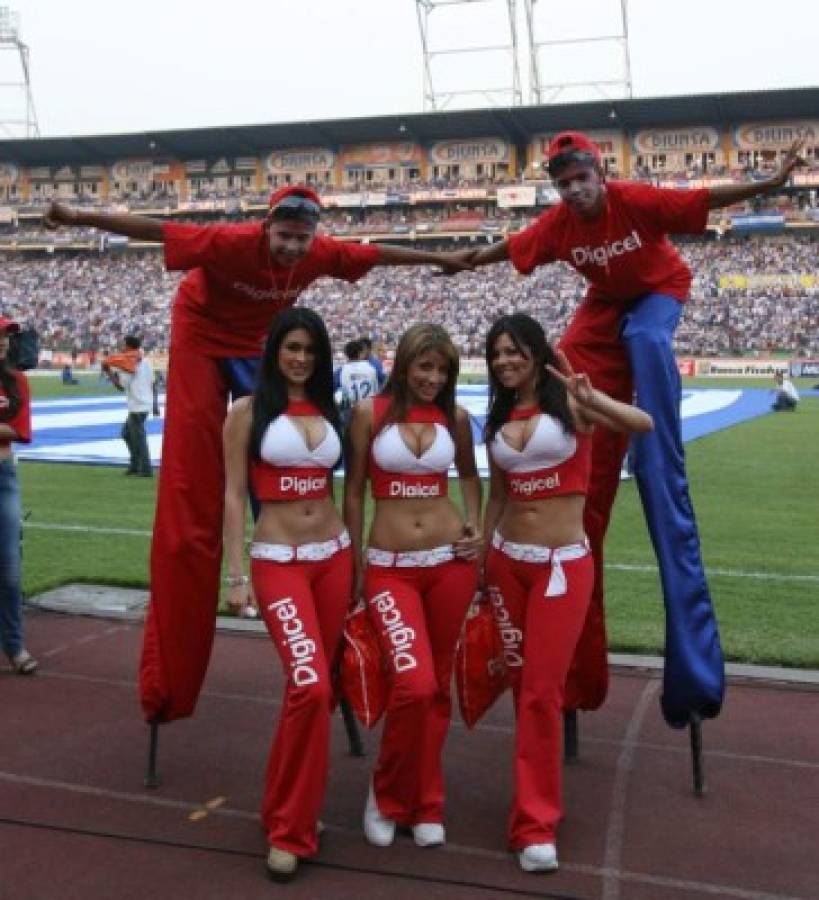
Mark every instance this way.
x=24 y=663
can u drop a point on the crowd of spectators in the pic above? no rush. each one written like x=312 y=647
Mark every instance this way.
x=85 y=301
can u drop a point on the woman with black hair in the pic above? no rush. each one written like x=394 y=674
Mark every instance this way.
x=15 y=425
x=539 y=571
x=284 y=442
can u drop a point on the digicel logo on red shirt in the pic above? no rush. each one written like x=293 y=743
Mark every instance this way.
x=287 y=295
x=581 y=256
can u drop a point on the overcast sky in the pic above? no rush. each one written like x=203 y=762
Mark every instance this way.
x=105 y=66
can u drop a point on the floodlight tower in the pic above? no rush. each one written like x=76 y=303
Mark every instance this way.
x=24 y=123
x=619 y=83
x=508 y=94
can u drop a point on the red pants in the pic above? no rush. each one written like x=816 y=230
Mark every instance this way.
x=540 y=634
x=186 y=551
x=304 y=605
x=592 y=344
x=418 y=614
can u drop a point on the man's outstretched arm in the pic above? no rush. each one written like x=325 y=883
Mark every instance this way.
x=455 y=261
x=497 y=252
x=728 y=194
x=141 y=228
x=469 y=260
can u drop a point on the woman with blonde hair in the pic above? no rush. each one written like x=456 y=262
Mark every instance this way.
x=419 y=572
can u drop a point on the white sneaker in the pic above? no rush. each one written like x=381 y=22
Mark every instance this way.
x=281 y=864
x=378 y=829
x=429 y=834
x=538 y=858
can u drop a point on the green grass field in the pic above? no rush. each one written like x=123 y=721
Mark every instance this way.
x=755 y=488
x=49 y=387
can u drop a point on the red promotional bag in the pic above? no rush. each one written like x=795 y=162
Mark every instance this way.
x=361 y=677
x=480 y=672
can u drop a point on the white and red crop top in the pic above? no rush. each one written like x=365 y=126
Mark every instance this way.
x=288 y=468
x=395 y=471
x=552 y=464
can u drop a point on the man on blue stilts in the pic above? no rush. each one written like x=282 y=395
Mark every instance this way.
x=615 y=234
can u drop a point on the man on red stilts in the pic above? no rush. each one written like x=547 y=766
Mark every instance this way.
x=239 y=277
x=616 y=235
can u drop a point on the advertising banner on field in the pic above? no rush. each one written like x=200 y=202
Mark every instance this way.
x=741 y=368
x=517 y=195
x=689 y=184
x=769 y=280
x=806 y=368
x=770 y=221
x=354 y=200
x=450 y=194
x=686 y=367
x=345 y=201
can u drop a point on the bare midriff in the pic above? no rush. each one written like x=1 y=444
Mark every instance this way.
x=415 y=524
x=296 y=522
x=549 y=523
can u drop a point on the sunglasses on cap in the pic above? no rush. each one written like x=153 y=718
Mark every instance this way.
x=296 y=207
x=569 y=158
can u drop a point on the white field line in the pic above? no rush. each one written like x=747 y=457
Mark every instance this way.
x=724 y=573
x=85 y=529
x=622 y=567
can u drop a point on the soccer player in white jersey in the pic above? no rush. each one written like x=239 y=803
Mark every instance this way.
x=356 y=379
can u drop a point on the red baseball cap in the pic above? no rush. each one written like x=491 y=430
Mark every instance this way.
x=568 y=143
x=294 y=190
x=9 y=325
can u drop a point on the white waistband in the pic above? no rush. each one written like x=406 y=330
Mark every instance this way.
x=408 y=559
x=314 y=552
x=536 y=553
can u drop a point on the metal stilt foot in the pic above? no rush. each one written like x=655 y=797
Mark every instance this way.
x=571 y=736
x=695 y=733
x=351 y=727
x=152 y=780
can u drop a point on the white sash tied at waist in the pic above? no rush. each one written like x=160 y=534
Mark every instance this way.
x=535 y=553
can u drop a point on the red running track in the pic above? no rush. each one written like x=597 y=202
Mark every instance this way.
x=76 y=821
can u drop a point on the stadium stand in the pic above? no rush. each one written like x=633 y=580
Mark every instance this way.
x=431 y=179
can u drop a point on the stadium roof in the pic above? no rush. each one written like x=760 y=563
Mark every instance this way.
x=517 y=124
